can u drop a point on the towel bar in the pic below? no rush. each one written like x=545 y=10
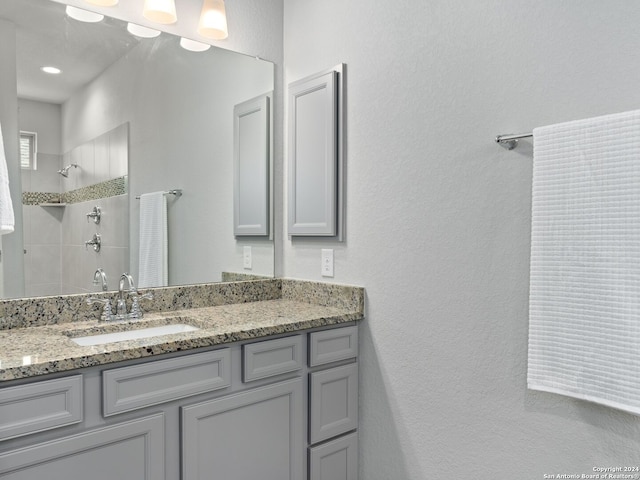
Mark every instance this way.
x=177 y=192
x=511 y=141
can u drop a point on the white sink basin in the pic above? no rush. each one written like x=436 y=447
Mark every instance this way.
x=103 y=338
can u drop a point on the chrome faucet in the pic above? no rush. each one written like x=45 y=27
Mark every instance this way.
x=121 y=305
x=99 y=277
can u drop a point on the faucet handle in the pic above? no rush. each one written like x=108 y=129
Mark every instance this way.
x=107 y=313
x=136 y=310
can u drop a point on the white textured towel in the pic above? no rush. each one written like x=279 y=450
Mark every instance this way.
x=153 y=268
x=584 y=311
x=7 y=221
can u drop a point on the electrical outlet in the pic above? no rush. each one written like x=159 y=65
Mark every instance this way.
x=246 y=258
x=327 y=262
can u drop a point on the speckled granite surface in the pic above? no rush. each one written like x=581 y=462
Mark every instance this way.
x=45 y=346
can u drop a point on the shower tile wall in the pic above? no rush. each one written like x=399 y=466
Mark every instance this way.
x=57 y=260
x=79 y=262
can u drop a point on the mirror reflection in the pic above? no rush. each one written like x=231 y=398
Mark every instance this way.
x=127 y=116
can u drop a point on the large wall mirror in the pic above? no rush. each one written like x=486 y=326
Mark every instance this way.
x=127 y=116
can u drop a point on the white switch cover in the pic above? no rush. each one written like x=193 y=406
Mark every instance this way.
x=246 y=257
x=327 y=262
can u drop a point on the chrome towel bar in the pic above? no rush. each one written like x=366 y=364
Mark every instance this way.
x=510 y=141
x=177 y=192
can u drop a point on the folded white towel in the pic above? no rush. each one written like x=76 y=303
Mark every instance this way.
x=584 y=316
x=7 y=221
x=153 y=265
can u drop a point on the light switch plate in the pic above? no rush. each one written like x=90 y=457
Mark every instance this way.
x=327 y=262
x=246 y=257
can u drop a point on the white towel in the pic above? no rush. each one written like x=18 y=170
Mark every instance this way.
x=153 y=265
x=584 y=312
x=7 y=221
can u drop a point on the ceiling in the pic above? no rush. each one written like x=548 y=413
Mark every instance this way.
x=46 y=36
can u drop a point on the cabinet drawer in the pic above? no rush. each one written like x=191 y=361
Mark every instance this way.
x=332 y=345
x=139 y=386
x=335 y=460
x=35 y=407
x=334 y=402
x=271 y=357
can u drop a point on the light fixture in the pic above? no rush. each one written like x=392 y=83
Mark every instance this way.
x=103 y=3
x=51 y=70
x=213 y=20
x=83 y=15
x=160 y=11
x=140 y=31
x=193 y=46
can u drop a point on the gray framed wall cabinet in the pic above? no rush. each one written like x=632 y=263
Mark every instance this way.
x=251 y=155
x=315 y=155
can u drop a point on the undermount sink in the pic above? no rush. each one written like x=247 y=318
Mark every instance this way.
x=101 y=339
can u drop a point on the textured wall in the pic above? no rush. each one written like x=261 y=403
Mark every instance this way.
x=438 y=220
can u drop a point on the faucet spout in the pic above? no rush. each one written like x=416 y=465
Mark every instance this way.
x=121 y=304
x=100 y=277
x=125 y=277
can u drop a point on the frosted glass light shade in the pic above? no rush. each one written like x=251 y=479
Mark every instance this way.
x=193 y=46
x=83 y=15
x=213 y=20
x=160 y=11
x=103 y=3
x=143 y=32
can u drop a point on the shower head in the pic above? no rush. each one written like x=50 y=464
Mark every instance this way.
x=65 y=171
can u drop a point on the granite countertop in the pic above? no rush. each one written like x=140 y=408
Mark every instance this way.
x=39 y=350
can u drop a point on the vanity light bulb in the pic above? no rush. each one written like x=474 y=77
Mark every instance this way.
x=143 y=32
x=213 y=20
x=103 y=3
x=83 y=15
x=193 y=46
x=160 y=11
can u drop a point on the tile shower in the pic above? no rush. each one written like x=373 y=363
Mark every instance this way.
x=56 y=225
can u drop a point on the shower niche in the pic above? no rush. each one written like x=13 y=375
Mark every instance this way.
x=58 y=200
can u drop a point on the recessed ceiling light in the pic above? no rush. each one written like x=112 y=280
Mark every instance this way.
x=193 y=46
x=83 y=15
x=51 y=70
x=140 y=31
x=103 y=3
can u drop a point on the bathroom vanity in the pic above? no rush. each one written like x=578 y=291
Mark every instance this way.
x=266 y=387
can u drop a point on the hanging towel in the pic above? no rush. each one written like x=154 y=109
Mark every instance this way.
x=7 y=221
x=153 y=266
x=584 y=310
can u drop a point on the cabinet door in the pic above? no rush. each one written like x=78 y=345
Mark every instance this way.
x=255 y=434
x=251 y=167
x=335 y=460
x=334 y=402
x=313 y=162
x=128 y=451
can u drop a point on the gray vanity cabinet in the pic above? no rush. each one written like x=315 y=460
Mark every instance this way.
x=333 y=404
x=277 y=408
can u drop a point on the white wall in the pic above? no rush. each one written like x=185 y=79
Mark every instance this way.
x=438 y=220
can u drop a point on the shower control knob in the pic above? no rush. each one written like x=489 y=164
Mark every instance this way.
x=95 y=242
x=94 y=215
